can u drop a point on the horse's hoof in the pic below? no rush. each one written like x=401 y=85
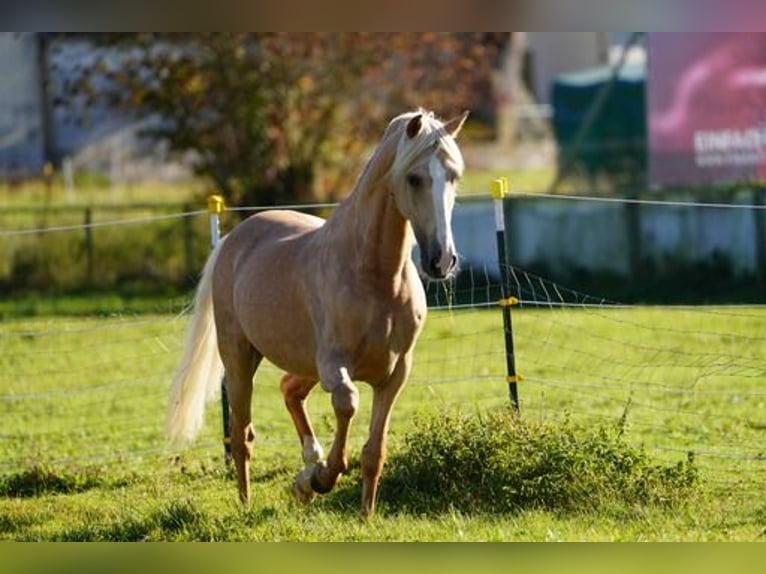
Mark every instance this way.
x=316 y=486
x=302 y=487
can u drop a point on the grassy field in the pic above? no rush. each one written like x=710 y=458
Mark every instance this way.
x=83 y=402
x=94 y=189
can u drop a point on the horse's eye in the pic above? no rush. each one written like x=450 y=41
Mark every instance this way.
x=414 y=180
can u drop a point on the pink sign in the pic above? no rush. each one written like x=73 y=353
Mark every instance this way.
x=706 y=99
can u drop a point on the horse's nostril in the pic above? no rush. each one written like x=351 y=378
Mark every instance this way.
x=453 y=262
x=435 y=265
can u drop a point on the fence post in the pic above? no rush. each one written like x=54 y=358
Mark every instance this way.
x=89 y=246
x=759 y=194
x=498 y=189
x=215 y=207
x=633 y=228
x=188 y=239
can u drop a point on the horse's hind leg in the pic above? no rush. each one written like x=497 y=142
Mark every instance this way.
x=240 y=361
x=295 y=389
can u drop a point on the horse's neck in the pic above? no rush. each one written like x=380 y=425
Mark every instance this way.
x=384 y=232
x=373 y=234
x=368 y=229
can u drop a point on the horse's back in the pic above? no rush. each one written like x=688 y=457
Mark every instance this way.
x=274 y=225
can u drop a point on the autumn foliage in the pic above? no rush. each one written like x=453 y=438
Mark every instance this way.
x=279 y=117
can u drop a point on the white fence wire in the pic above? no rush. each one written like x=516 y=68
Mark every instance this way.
x=330 y=205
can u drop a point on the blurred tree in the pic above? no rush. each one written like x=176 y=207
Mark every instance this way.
x=266 y=114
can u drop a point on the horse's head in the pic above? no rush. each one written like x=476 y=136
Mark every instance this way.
x=424 y=177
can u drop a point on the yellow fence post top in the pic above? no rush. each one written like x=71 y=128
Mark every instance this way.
x=497 y=189
x=215 y=204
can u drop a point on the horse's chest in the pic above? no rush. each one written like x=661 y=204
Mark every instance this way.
x=367 y=328
x=385 y=339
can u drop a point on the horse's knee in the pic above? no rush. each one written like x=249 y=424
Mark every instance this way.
x=345 y=400
x=345 y=396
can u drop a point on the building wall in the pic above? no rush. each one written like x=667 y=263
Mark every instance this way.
x=96 y=139
x=21 y=138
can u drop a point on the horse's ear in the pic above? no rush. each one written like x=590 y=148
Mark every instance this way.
x=454 y=125
x=414 y=125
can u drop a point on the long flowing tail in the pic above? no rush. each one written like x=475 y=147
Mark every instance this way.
x=199 y=374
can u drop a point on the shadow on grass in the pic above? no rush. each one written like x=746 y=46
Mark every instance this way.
x=346 y=497
x=11 y=524
x=38 y=480
x=130 y=530
x=217 y=468
x=176 y=519
x=270 y=475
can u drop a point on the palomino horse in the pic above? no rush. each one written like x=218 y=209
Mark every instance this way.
x=335 y=301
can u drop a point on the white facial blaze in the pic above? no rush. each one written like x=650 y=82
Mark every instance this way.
x=444 y=200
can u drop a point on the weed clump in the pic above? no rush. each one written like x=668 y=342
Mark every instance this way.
x=498 y=463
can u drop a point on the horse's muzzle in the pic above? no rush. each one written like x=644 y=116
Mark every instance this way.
x=439 y=265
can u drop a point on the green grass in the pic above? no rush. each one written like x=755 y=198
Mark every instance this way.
x=95 y=188
x=95 y=303
x=82 y=457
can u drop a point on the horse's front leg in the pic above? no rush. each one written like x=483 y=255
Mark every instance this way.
x=374 y=451
x=335 y=379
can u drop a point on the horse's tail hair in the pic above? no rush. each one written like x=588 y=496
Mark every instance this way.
x=199 y=374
